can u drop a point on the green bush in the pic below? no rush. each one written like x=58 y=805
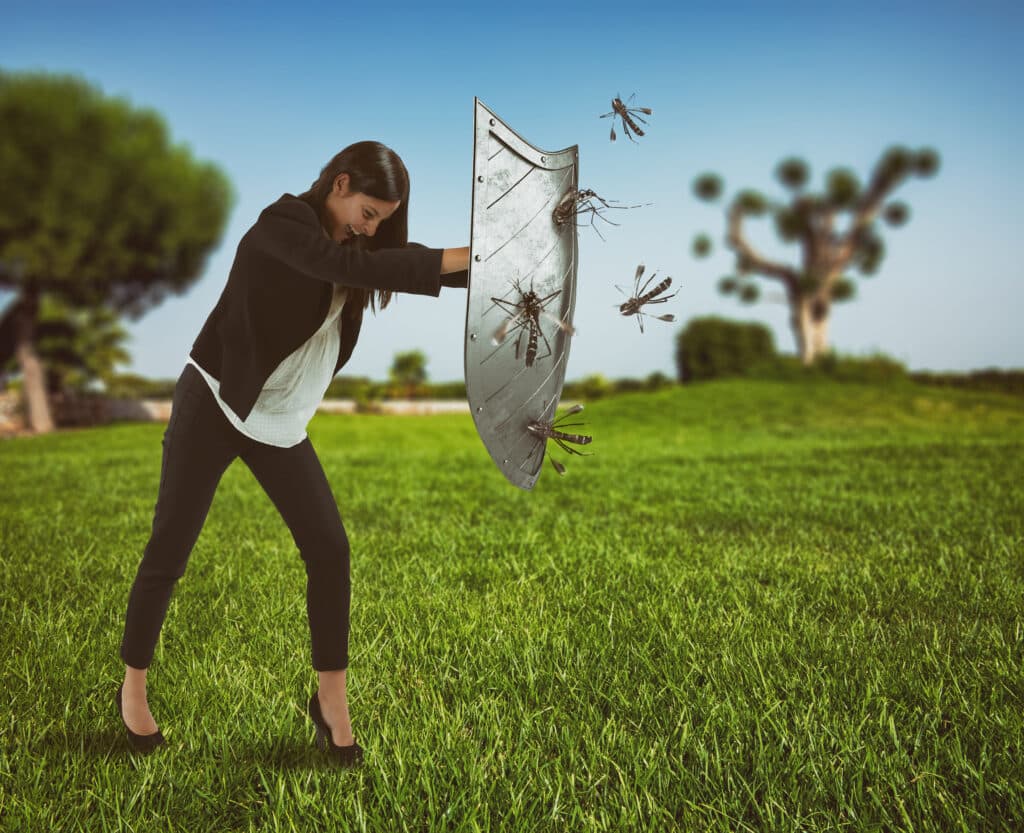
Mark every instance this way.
x=350 y=387
x=133 y=386
x=713 y=348
x=875 y=369
x=445 y=390
x=362 y=389
x=589 y=388
x=990 y=379
x=628 y=385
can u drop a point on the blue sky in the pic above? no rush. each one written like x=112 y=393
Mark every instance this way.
x=271 y=92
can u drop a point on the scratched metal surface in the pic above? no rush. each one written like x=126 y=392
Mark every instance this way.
x=514 y=240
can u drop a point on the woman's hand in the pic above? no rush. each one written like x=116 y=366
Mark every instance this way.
x=455 y=260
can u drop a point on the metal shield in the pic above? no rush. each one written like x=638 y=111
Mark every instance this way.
x=515 y=364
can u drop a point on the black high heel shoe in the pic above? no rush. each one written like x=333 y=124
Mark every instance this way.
x=350 y=755
x=140 y=743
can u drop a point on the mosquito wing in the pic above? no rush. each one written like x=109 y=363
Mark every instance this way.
x=502 y=331
x=564 y=326
x=636 y=280
x=557 y=466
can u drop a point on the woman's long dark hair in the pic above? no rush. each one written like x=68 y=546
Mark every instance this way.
x=377 y=171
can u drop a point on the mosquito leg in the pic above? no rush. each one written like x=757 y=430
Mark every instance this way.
x=597 y=213
x=558 y=424
x=510 y=308
x=546 y=342
x=641 y=291
x=547 y=298
x=595 y=228
x=568 y=448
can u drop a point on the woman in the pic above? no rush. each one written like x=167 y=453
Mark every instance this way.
x=285 y=323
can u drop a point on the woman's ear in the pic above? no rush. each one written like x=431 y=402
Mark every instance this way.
x=341 y=184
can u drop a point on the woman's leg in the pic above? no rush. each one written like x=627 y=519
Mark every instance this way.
x=198 y=446
x=295 y=481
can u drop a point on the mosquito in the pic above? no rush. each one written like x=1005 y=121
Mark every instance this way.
x=525 y=316
x=627 y=114
x=641 y=296
x=553 y=431
x=574 y=203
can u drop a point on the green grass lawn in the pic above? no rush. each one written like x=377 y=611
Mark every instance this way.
x=758 y=606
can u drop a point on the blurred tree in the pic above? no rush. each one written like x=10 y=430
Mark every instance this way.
x=97 y=208
x=713 y=348
x=77 y=347
x=409 y=370
x=809 y=219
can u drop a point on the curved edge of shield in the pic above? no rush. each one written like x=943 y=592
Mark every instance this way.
x=521 y=294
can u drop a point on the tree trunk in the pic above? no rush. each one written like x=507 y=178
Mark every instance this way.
x=33 y=374
x=809 y=320
x=800 y=321
x=819 y=337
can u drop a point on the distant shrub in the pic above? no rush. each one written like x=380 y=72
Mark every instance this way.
x=877 y=368
x=874 y=369
x=990 y=379
x=445 y=390
x=364 y=390
x=588 y=388
x=658 y=381
x=713 y=348
x=597 y=386
x=132 y=386
x=350 y=387
x=628 y=385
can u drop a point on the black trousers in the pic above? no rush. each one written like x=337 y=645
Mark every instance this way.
x=198 y=446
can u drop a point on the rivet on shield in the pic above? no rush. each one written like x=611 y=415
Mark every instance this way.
x=479 y=179
x=478 y=258
x=479 y=408
x=472 y=336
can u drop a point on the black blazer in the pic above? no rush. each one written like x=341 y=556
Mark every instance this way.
x=279 y=291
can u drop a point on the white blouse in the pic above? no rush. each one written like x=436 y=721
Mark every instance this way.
x=296 y=387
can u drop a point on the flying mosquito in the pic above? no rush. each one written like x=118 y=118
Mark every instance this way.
x=525 y=316
x=627 y=114
x=576 y=203
x=553 y=431
x=642 y=296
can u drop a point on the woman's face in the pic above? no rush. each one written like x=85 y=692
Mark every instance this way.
x=351 y=213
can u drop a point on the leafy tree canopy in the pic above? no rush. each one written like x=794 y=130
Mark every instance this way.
x=97 y=205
